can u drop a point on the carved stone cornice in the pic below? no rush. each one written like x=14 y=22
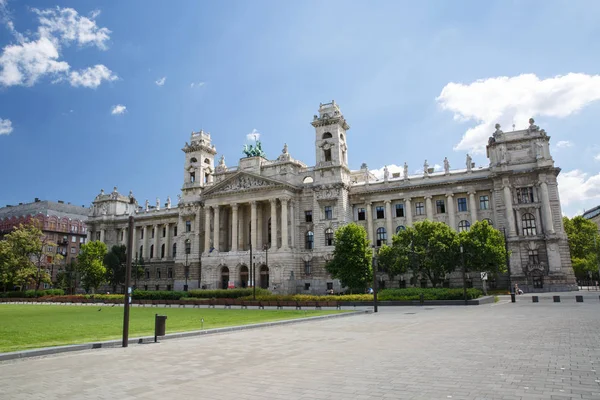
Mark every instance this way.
x=199 y=146
x=327 y=119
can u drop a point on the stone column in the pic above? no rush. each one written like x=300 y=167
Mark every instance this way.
x=146 y=242
x=451 y=210
x=167 y=241
x=217 y=227
x=473 y=207
x=241 y=229
x=293 y=224
x=428 y=208
x=388 y=221
x=259 y=225
x=234 y=227
x=102 y=233
x=253 y=224
x=408 y=211
x=546 y=210
x=124 y=238
x=156 y=242
x=206 y=229
x=369 y=206
x=509 y=210
x=273 y=224
x=284 y=223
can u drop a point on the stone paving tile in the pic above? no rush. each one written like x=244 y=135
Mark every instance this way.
x=502 y=351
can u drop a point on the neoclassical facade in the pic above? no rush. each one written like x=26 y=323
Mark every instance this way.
x=276 y=218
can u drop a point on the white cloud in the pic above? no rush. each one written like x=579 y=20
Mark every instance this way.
x=92 y=77
x=578 y=190
x=118 y=109
x=199 y=84
x=597 y=158
x=561 y=144
x=508 y=100
x=5 y=126
x=437 y=167
x=67 y=25
x=5 y=19
x=38 y=55
x=253 y=135
x=161 y=81
x=393 y=168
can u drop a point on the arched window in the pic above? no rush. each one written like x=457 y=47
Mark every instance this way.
x=151 y=251
x=400 y=228
x=528 y=225
x=310 y=239
x=162 y=251
x=464 y=225
x=489 y=221
x=174 y=250
x=193 y=160
x=308 y=179
x=381 y=236
x=328 y=237
x=327 y=135
x=206 y=161
x=342 y=136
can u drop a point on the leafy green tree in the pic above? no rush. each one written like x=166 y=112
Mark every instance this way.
x=115 y=263
x=392 y=260
x=584 y=245
x=90 y=265
x=484 y=250
x=351 y=262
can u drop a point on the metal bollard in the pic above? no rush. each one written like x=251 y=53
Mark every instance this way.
x=579 y=299
x=160 y=326
x=556 y=299
x=512 y=297
x=535 y=299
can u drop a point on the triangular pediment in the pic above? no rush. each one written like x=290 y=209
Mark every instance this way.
x=245 y=181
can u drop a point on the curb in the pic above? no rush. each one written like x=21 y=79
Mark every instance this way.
x=144 y=340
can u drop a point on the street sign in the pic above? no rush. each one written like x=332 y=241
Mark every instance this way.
x=484 y=276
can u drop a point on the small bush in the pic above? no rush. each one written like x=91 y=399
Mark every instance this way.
x=32 y=293
x=428 y=294
x=158 y=294
x=226 y=293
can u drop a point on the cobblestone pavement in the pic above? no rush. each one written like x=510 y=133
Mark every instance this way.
x=502 y=351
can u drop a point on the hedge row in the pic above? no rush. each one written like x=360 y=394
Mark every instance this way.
x=308 y=297
x=226 y=293
x=27 y=294
x=428 y=294
x=159 y=294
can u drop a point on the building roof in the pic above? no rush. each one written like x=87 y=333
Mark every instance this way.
x=46 y=207
x=594 y=212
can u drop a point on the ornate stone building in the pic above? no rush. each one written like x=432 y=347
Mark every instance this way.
x=287 y=212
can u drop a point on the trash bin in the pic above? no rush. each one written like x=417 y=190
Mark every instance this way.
x=160 y=326
x=535 y=299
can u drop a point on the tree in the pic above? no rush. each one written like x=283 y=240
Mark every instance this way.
x=65 y=278
x=392 y=260
x=483 y=248
x=114 y=262
x=90 y=265
x=584 y=245
x=351 y=262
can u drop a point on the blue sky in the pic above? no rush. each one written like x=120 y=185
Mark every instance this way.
x=84 y=106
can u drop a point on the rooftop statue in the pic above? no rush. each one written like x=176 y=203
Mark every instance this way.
x=254 y=151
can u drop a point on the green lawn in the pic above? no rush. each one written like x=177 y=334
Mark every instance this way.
x=30 y=326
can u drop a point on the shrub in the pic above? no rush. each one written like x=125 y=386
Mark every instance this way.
x=428 y=294
x=158 y=294
x=33 y=293
x=227 y=293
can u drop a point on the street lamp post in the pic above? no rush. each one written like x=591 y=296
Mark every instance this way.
x=252 y=272
x=128 y=294
x=510 y=286
x=374 y=267
x=187 y=265
x=464 y=273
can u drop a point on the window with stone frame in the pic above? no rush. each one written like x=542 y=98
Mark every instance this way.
x=164 y=231
x=142 y=251
x=381 y=236
x=528 y=222
x=400 y=228
x=379 y=212
x=307 y=267
x=169 y=288
x=158 y=273
x=147 y=273
x=462 y=204
x=440 y=205
x=188 y=226
x=152 y=233
x=157 y=287
x=308 y=216
x=162 y=251
x=399 y=210
x=328 y=211
x=310 y=240
x=146 y=287
x=174 y=250
x=175 y=230
x=328 y=237
x=188 y=247
x=327 y=154
x=525 y=195
x=464 y=225
x=484 y=202
x=362 y=214
x=170 y=273
x=534 y=257
x=151 y=251
x=420 y=208
x=142 y=233
x=122 y=234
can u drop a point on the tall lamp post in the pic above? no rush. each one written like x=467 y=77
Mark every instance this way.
x=510 y=286
x=252 y=272
x=464 y=272
x=374 y=267
x=127 y=297
x=187 y=265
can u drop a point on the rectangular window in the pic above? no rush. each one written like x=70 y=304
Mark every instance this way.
x=82 y=240
x=329 y=285
x=147 y=273
x=462 y=204
x=122 y=235
x=525 y=195
x=306 y=267
x=98 y=236
x=484 y=202
x=146 y=287
x=72 y=250
x=170 y=273
x=361 y=214
x=308 y=216
x=169 y=287
x=420 y=208
x=142 y=233
x=188 y=226
x=152 y=233
x=164 y=231
x=399 y=210
x=441 y=206
x=327 y=155
x=175 y=230
x=50 y=249
x=157 y=287
x=534 y=257
x=158 y=273
x=307 y=286
x=328 y=212
x=73 y=239
x=380 y=213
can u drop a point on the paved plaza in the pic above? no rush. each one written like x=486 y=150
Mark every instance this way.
x=502 y=351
